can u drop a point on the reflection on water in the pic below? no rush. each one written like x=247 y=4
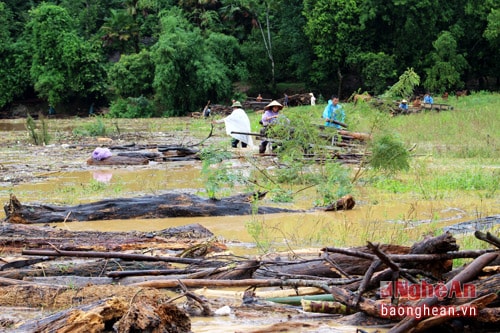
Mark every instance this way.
x=72 y=188
x=102 y=176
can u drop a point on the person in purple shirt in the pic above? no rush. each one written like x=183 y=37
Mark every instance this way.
x=271 y=116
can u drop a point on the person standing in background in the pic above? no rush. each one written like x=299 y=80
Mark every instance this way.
x=313 y=99
x=285 y=100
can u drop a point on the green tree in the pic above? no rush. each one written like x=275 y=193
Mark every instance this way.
x=492 y=31
x=446 y=65
x=292 y=50
x=258 y=15
x=132 y=76
x=13 y=60
x=63 y=65
x=88 y=14
x=405 y=86
x=120 y=32
x=333 y=28
x=467 y=27
x=189 y=66
x=377 y=70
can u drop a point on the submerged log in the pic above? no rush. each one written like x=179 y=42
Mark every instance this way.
x=146 y=207
x=345 y=203
x=118 y=160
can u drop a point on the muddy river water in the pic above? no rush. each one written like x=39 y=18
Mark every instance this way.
x=384 y=218
x=374 y=217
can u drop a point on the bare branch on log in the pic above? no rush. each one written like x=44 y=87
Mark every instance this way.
x=125 y=256
x=403 y=258
x=366 y=279
x=488 y=237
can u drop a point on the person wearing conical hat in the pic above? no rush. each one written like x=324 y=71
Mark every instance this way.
x=271 y=113
x=271 y=116
x=238 y=121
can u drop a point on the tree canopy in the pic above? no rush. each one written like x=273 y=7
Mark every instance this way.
x=177 y=55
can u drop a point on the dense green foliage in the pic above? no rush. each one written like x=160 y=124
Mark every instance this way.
x=179 y=54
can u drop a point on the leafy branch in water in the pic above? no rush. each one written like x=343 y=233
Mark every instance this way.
x=299 y=143
x=38 y=137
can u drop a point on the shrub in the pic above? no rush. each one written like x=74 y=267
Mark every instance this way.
x=132 y=107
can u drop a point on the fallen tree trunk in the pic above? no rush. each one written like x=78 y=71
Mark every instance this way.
x=124 y=256
x=146 y=207
x=469 y=273
x=436 y=262
x=87 y=268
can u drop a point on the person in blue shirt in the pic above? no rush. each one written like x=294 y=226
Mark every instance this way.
x=403 y=106
x=333 y=111
x=428 y=99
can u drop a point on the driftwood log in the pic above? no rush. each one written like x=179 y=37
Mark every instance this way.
x=118 y=160
x=147 y=207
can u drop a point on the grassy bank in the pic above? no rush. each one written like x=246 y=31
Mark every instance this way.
x=455 y=157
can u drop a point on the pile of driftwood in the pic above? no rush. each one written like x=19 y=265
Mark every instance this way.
x=346 y=147
x=252 y=103
x=140 y=154
x=417 y=107
x=41 y=264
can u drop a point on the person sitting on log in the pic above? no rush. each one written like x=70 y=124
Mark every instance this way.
x=428 y=99
x=403 y=106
